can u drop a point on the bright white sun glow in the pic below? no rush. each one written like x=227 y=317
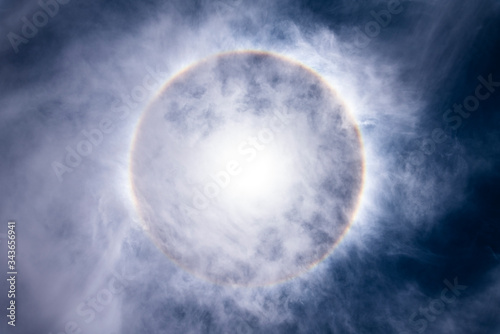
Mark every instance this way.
x=265 y=175
x=249 y=169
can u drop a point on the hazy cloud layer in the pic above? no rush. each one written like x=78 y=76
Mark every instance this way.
x=77 y=78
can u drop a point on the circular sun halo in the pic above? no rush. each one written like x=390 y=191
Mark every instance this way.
x=246 y=169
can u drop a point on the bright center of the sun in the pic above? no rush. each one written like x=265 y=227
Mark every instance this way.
x=258 y=179
x=253 y=172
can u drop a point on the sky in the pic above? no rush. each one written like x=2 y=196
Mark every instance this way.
x=239 y=166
